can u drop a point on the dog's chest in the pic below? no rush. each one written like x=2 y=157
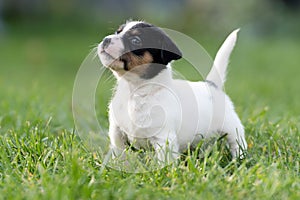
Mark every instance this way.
x=144 y=111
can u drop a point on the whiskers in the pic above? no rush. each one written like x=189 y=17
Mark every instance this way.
x=107 y=78
x=94 y=51
x=93 y=46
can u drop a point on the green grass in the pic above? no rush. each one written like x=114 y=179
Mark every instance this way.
x=41 y=157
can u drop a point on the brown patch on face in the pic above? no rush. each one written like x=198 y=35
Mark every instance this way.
x=137 y=64
x=116 y=67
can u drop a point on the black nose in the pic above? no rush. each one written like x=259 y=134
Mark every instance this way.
x=106 y=42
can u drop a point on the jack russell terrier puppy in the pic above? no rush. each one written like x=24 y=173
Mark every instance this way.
x=151 y=110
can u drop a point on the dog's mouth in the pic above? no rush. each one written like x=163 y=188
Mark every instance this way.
x=112 y=64
x=103 y=52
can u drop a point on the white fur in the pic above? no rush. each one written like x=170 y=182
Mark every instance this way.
x=219 y=70
x=173 y=114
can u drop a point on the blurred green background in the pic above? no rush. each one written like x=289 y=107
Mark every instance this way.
x=42 y=44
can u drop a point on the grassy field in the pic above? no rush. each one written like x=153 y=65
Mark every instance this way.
x=41 y=157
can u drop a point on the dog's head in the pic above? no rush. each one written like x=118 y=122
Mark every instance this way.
x=139 y=48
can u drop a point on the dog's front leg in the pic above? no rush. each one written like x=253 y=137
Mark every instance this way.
x=117 y=141
x=166 y=149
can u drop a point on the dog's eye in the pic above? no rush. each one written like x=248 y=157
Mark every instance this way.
x=136 y=40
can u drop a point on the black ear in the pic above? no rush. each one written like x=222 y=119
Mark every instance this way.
x=169 y=50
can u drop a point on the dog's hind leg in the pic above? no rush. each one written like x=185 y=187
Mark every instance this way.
x=236 y=135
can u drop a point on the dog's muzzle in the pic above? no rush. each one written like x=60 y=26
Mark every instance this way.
x=106 y=41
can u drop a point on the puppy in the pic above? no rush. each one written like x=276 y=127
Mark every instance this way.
x=150 y=109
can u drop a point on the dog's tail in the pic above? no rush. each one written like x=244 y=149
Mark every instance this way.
x=217 y=74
